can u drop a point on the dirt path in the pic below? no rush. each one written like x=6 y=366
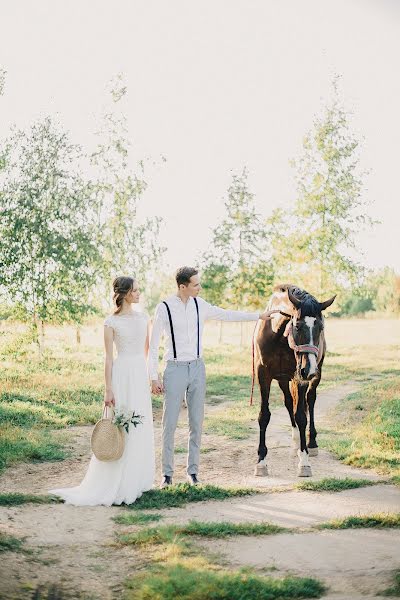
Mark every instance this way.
x=71 y=546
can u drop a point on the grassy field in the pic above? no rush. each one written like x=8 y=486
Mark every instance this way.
x=65 y=388
x=368 y=428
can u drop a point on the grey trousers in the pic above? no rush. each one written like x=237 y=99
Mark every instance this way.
x=181 y=377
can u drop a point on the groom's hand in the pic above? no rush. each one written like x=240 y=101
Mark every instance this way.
x=268 y=314
x=157 y=387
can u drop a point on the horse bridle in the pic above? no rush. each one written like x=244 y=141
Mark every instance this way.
x=302 y=348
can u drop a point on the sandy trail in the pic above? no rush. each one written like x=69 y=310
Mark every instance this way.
x=71 y=546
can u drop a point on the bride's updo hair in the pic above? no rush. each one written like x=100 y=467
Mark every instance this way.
x=121 y=286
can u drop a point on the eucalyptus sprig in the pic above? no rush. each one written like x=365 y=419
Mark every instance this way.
x=126 y=419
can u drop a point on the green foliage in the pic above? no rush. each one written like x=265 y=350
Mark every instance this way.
x=138 y=518
x=128 y=246
x=314 y=239
x=332 y=484
x=393 y=590
x=10 y=543
x=181 y=494
x=233 y=422
x=374 y=440
x=379 y=521
x=18 y=445
x=48 y=248
x=17 y=499
x=380 y=293
x=182 y=582
x=175 y=534
x=236 y=269
x=168 y=533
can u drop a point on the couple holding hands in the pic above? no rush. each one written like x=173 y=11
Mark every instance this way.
x=180 y=318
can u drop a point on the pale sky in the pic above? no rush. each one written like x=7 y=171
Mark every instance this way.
x=213 y=86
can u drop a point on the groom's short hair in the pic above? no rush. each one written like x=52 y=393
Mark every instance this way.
x=184 y=274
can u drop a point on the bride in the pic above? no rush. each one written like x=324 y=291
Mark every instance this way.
x=127 y=390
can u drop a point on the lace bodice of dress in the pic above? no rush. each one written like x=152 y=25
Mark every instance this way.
x=130 y=332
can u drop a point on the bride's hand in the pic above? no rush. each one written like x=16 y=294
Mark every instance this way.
x=157 y=387
x=109 y=399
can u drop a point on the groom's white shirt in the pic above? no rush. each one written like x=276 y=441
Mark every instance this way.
x=184 y=320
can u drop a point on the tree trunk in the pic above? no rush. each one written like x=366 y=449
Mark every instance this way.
x=35 y=329
x=78 y=335
x=42 y=335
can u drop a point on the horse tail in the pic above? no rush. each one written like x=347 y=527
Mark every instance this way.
x=253 y=365
x=294 y=391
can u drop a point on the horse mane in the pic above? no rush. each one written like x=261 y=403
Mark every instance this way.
x=309 y=304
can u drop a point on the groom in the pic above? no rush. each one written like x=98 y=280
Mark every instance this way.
x=181 y=318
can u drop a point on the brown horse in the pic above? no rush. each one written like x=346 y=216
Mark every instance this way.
x=291 y=348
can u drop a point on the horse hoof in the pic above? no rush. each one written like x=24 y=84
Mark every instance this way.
x=304 y=471
x=261 y=471
x=313 y=452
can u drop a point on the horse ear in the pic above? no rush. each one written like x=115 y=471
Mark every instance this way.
x=295 y=301
x=324 y=305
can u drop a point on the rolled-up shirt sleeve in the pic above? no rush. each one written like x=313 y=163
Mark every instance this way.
x=156 y=333
x=221 y=314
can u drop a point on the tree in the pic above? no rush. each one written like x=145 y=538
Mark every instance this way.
x=48 y=236
x=237 y=264
x=329 y=210
x=236 y=268
x=128 y=246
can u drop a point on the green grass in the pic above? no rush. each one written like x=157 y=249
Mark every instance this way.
x=226 y=529
x=65 y=388
x=233 y=421
x=170 y=533
x=138 y=518
x=369 y=438
x=393 y=590
x=379 y=521
x=181 y=494
x=20 y=444
x=182 y=582
x=16 y=499
x=9 y=543
x=183 y=450
x=333 y=484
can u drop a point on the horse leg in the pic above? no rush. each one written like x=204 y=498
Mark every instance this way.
x=284 y=385
x=264 y=381
x=304 y=468
x=312 y=441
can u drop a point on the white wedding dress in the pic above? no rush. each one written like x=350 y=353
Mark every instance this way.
x=126 y=479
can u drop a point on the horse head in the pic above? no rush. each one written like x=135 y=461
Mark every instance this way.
x=305 y=332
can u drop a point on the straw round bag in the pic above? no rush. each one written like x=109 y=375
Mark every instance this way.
x=108 y=439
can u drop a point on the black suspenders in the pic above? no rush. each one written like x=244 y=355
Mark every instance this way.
x=198 y=328
x=172 y=328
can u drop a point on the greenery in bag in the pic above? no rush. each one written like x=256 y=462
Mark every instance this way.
x=126 y=419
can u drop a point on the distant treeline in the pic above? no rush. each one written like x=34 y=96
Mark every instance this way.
x=69 y=224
